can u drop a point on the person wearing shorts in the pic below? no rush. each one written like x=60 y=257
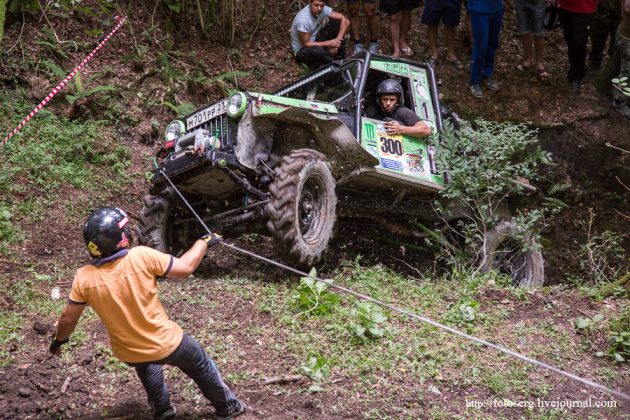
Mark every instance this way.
x=355 y=24
x=399 y=12
x=449 y=12
x=530 y=15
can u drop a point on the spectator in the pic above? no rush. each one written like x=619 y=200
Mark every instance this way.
x=355 y=24
x=623 y=45
x=317 y=35
x=576 y=17
x=399 y=12
x=486 y=18
x=530 y=16
x=449 y=12
x=605 y=22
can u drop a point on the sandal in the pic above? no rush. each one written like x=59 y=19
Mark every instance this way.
x=522 y=67
x=542 y=73
x=455 y=63
x=406 y=51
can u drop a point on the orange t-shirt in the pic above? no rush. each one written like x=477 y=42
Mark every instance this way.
x=124 y=294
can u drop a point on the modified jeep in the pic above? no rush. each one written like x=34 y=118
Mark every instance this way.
x=290 y=163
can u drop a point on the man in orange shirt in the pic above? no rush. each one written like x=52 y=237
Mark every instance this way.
x=120 y=285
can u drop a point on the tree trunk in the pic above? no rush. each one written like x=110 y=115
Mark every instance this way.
x=3 y=10
x=609 y=289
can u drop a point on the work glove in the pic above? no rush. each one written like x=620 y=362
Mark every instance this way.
x=211 y=239
x=55 y=345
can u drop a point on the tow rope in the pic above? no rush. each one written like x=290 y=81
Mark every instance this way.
x=64 y=82
x=403 y=311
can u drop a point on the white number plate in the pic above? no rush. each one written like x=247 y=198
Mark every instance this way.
x=206 y=114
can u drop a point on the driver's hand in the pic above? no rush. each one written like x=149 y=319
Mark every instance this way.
x=393 y=127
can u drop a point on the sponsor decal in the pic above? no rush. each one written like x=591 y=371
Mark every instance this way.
x=123 y=222
x=431 y=153
x=415 y=162
x=123 y=242
x=391 y=164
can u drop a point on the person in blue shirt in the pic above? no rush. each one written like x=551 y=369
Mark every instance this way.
x=486 y=18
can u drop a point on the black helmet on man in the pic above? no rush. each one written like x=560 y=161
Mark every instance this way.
x=106 y=231
x=390 y=87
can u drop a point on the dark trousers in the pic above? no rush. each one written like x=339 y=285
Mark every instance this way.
x=486 y=29
x=316 y=57
x=576 y=27
x=194 y=362
x=605 y=23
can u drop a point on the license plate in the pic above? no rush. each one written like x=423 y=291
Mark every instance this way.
x=206 y=114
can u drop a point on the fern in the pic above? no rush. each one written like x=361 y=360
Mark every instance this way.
x=559 y=188
x=228 y=75
x=86 y=93
x=555 y=203
x=53 y=68
x=78 y=83
x=181 y=109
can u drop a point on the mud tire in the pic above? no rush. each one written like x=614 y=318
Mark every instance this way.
x=507 y=254
x=302 y=210
x=158 y=229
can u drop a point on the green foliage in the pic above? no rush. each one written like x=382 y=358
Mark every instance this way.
x=463 y=312
x=228 y=81
x=586 y=324
x=82 y=94
x=314 y=297
x=619 y=348
x=182 y=109
x=622 y=85
x=3 y=10
x=51 y=152
x=367 y=321
x=316 y=367
x=484 y=164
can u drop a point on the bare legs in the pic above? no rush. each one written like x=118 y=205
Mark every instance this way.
x=399 y=24
x=533 y=48
x=449 y=32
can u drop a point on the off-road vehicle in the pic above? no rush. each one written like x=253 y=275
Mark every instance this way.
x=290 y=163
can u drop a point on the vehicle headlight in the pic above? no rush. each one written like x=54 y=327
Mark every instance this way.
x=237 y=104
x=174 y=130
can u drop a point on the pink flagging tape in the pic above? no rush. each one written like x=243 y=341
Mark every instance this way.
x=60 y=86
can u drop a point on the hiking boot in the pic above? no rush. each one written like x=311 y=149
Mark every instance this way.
x=476 y=91
x=358 y=47
x=373 y=47
x=492 y=85
x=241 y=409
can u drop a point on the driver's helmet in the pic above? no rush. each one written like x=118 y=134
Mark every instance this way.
x=106 y=232
x=389 y=87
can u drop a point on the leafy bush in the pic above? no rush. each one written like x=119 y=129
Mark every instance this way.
x=367 y=321
x=619 y=348
x=464 y=311
x=484 y=164
x=313 y=297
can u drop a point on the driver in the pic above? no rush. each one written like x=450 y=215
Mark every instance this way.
x=398 y=118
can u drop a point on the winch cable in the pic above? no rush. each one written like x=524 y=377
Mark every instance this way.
x=403 y=311
x=62 y=84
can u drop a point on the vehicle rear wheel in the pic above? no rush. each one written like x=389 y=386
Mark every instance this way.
x=159 y=227
x=302 y=210
x=508 y=252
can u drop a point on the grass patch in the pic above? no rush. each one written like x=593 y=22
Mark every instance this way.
x=49 y=154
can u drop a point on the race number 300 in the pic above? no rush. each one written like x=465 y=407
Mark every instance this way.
x=391 y=146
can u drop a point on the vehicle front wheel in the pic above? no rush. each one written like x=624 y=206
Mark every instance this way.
x=509 y=252
x=162 y=225
x=302 y=209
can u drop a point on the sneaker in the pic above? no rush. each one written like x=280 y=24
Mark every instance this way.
x=358 y=47
x=492 y=85
x=476 y=91
x=169 y=413
x=241 y=409
x=373 y=47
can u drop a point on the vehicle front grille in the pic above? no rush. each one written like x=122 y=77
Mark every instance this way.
x=222 y=127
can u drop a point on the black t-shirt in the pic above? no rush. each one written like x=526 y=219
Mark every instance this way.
x=402 y=114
